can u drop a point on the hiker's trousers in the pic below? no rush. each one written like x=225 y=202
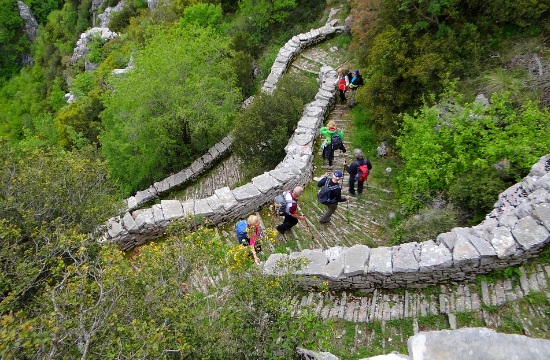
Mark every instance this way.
x=331 y=208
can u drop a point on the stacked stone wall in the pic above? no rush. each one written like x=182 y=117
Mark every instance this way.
x=515 y=231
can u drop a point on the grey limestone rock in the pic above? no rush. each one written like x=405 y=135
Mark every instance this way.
x=503 y=242
x=465 y=251
x=542 y=212
x=304 y=354
x=129 y=223
x=529 y=234
x=265 y=183
x=172 y=209
x=31 y=25
x=226 y=196
x=380 y=261
x=433 y=256
x=334 y=269
x=246 y=192
x=355 y=259
x=476 y=344
x=274 y=264
x=404 y=259
x=318 y=260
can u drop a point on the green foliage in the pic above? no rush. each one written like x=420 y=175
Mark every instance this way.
x=411 y=48
x=179 y=101
x=441 y=144
x=94 y=49
x=243 y=63
x=202 y=14
x=13 y=40
x=48 y=200
x=476 y=191
x=427 y=224
x=41 y=8
x=21 y=101
x=263 y=129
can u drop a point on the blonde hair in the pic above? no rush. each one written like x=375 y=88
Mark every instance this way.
x=252 y=221
x=331 y=124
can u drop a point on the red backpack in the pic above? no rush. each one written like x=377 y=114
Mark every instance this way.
x=362 y=172
x=342 y=84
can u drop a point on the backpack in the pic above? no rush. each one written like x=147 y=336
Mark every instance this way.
x=240 y=232
x=342 y=84
x=324 y=194
x=359 y=80
x=281 y=204
x=362 y=172
x=336 y=141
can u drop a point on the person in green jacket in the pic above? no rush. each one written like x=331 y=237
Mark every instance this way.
x=334 y=140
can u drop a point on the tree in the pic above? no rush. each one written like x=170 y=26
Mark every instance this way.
x=178 y=101
x=263 y=129
x=47 y=201
x=456 y=141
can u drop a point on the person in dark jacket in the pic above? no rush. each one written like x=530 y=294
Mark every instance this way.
x=355 y=82
x=353 y=170
x=335 y=194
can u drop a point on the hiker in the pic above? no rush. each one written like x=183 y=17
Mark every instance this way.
x=355 y=82
x=343 y=83
x=358 y=171
x=332 y=192
x=291 y=217
x=243 y=228
x=334 y=140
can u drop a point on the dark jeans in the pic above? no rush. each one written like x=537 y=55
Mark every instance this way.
x=287 y=224
x=352 y=183
x=328 y=153
x=342 y=95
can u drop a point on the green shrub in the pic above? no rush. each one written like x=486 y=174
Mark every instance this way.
x=476 y=192
x=428 y=223
x=263 y=129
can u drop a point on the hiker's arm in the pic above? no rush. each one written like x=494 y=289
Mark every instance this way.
x=299 y=217
x=369 y=165
x=256 y=260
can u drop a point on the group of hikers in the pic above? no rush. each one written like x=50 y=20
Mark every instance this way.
x=348 y=81
x=248 y=231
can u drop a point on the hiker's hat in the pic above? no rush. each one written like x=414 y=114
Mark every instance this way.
x=338 y=174
x=356 y=71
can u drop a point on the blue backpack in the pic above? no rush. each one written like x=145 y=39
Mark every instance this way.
x=240 y=232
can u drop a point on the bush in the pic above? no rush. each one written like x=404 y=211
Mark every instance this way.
x=263 y=129
x=475 y=192
x=429 y=222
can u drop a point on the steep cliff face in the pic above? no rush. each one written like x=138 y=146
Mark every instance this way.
x=31 y=25
x=31 y=28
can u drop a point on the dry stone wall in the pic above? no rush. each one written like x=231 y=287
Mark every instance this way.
x=516 y=230
x=136 y=227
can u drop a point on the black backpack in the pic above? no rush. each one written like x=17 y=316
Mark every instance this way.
x=336 y=141
x=324 y=194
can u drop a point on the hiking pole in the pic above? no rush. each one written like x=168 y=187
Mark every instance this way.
x=309 y=229
x=347 y=202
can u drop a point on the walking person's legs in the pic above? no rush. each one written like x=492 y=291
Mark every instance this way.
x=331 y=208
x=287 y=224
x=360 y=187
x=352 y=185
